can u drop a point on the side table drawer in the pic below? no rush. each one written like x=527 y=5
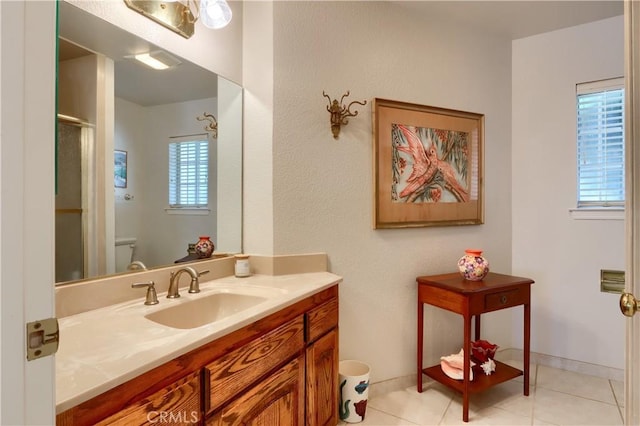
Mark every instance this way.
x=504 y=299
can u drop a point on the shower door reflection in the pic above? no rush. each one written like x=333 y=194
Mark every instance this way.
x=75 y=253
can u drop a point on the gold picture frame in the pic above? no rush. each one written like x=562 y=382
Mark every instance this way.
x=428 y=166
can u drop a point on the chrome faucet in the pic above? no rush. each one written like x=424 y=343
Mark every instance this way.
x=174 y=281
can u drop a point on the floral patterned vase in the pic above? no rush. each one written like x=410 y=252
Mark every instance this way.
x=473 y=266
x=204 y=247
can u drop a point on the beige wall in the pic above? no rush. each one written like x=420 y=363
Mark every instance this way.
x=322 y=187
x=571 y=317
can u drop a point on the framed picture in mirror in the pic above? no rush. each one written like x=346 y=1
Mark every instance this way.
x=120 y=168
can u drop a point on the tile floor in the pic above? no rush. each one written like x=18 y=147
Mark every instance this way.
x=556 y=397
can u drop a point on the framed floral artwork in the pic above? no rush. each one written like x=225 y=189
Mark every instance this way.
x=428 y=166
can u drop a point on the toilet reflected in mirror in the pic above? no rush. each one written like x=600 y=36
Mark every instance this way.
x=125 y=255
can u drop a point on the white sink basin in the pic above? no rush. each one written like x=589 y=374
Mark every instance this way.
x=204 y=310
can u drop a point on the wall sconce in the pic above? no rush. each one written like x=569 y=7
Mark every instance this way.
x=339 y=112
x=181 y=15
x=212 y=127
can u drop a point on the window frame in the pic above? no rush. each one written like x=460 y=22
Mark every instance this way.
x=600 y=209
x=173 y=165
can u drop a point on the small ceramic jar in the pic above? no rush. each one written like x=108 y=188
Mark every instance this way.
x=243 y=268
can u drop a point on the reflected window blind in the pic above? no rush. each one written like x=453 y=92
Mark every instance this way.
x=600 y=132
x=188 y=172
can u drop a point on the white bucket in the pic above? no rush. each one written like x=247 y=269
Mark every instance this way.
x=354 y=390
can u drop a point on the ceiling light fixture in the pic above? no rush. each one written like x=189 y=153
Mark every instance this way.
x=181 y=15
x=158 y=60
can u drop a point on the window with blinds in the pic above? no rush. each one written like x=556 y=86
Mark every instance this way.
x=188 y=172
x=600 y=133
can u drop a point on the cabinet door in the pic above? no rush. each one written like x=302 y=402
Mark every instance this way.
x=178 y=404
x=322 y=380
x=228 y=376
x=277 y=400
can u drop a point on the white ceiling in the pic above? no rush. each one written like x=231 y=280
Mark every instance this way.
x=516 y=19
x=510 y=19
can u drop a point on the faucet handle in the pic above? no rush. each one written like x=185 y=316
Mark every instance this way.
x=194 y=287
x=152 y=297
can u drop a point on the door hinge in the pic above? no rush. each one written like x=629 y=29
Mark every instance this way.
x=42 y=338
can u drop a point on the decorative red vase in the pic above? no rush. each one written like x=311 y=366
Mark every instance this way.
x=204 y=247
x=483 y=350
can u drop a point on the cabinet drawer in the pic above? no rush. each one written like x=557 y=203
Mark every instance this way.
x=178 y=404
x=237 y=370
x=504 y=299
x=322 y=319
x=277 y=400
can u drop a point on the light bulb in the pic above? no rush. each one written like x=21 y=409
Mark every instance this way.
x=215 y=14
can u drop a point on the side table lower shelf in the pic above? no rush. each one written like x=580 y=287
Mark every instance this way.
x=480 y=380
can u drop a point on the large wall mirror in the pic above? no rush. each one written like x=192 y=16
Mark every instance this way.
x=116 y=121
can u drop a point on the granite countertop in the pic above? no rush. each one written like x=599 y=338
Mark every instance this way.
x=103 y=348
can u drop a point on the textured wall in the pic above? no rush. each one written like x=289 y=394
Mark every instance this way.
x=322 y=187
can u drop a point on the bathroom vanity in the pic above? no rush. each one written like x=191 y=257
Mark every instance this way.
x=273 y=363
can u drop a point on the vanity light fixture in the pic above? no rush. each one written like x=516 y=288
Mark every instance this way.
x=181 y=15
x=212 y=127
x=339 y=112
x=158 y=60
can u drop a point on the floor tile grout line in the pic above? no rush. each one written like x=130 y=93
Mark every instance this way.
x=616 y=403
x=615 y=398
x=444 y=413
x=395 y=416
x=581 y=397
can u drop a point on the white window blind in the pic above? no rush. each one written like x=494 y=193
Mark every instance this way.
x=188 y=172
x=600 y=132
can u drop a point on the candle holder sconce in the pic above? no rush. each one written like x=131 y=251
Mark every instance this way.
x=339 y=112
x=212 y=127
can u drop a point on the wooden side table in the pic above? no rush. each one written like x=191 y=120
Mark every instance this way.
x=471 y=299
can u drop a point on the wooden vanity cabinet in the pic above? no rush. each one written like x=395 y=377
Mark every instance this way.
x=237 y=370
x=322 y=364
x=276 y=400
x=311 y=342
x=280 y=370
x=178 y=404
